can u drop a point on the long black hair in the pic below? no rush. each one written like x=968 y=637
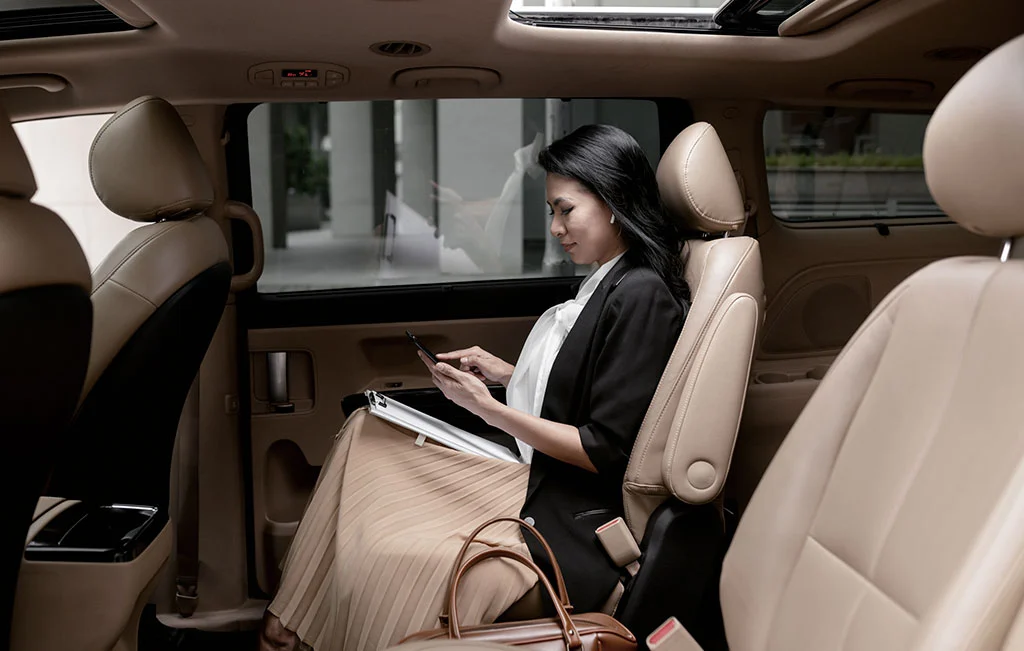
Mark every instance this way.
x=610 y=164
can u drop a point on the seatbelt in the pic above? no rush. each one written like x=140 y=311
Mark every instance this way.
x=619 y=544
x=671 y=636
x=187 y=521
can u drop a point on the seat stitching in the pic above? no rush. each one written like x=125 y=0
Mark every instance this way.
x=690 y=354
x=844 y=638
x=691 y=381
x=919 y=463
x=687 y=363
x=129 y=289
x=863 y=578
x=882 y=311
x=686 y=182
x=135 y=249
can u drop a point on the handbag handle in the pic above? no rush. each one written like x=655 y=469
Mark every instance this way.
x=569 y=632
x=563 y=594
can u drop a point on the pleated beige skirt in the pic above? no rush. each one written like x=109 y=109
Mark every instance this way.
x=372 y=557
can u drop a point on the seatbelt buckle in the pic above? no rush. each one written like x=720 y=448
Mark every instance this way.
x=186 y=598
x=672 y=636
x=619 y=544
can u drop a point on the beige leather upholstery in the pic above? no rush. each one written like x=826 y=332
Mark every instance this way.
x=893 y=515
x=698 y=184
x=142 y=272
x=685 y=443
x=965 y=174
x=86 y=606
x=36 y=247
x=145 y=165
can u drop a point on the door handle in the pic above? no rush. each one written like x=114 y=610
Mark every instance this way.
x=277 y=383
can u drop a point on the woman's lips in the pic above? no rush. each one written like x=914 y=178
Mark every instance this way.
x=569 y=247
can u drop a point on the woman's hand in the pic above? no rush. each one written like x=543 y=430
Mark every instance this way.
x=485 y=366
x=462 y=388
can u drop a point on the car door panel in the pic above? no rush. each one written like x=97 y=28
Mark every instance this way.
x=327 y=366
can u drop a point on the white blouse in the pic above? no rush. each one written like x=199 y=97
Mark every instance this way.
x=529 y=380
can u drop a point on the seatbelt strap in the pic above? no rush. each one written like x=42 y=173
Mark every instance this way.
x=619 y=544
x=187 y=522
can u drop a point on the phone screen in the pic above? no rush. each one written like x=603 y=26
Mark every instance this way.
x=426 y=351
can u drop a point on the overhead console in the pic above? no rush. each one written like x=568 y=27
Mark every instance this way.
x=298 y=75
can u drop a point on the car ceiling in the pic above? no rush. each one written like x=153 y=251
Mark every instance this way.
x=200 y=51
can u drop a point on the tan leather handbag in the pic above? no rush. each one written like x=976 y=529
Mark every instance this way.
x=588 y=632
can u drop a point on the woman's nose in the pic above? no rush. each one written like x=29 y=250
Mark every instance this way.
x=557 y=227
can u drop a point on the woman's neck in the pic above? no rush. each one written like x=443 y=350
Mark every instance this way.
x=611 y=256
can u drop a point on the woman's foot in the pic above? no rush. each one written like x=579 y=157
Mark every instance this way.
x=275 y=637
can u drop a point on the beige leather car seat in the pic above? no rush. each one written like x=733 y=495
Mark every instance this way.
x=45 y=325
x=686 y=440
x=681 y=457
x=892 y=516
x=158 y=298
x=683 y=450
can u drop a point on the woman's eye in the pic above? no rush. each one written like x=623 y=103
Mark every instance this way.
x=567 y=211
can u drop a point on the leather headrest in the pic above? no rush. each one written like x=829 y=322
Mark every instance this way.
x=145 y=165
x=16 y=178
x=697 y=182
x=974 y=146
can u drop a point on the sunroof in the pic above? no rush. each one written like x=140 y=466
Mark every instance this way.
x=44 y=18
x=757 y=17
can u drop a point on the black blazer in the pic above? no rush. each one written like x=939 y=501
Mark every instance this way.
x=602 y=381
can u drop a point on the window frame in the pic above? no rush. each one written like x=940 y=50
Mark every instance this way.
x=881 y=224
x=444 y=300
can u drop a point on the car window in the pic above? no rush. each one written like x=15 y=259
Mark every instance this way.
x=58 y=150
x=362 y=194
x=846 y=164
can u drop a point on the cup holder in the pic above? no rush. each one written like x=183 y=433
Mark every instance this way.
x=778 y=377
x=817 y=373
x=773 y=378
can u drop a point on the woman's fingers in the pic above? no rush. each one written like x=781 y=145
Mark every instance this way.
x=458 y=354
x=426 y=361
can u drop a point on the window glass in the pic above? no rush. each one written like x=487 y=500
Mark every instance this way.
x=58 y=150
x=45 y=18
x=620 y=4
x=360 y=194
x=836 y=164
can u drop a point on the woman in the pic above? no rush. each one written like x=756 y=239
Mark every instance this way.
x=371 y=560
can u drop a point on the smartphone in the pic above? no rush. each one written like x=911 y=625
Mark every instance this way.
x=426 y=351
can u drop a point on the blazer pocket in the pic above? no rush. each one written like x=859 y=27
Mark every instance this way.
x=591 y=513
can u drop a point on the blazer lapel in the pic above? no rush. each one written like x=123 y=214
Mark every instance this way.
x=565 y=388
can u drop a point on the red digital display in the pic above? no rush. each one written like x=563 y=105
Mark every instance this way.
x=299 y=73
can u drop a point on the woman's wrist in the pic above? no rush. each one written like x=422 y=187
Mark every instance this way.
x=507 y=376
x=493 y=413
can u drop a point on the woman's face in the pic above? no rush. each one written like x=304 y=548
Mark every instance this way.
x=582 y=222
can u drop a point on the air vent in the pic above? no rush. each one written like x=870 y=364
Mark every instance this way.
x=957 y=53
x=402 y=49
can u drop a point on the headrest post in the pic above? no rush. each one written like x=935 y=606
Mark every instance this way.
x=1007 y=249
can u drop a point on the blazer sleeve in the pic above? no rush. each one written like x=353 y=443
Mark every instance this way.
x=641 y=323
